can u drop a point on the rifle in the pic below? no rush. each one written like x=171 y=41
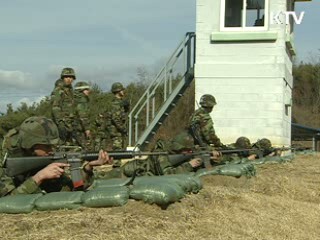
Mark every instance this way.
x=21 y=165
x=205 y=155
x=195 y=133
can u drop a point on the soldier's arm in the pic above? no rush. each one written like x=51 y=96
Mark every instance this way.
x=56 y=101
x=118 y=120
x=208 y=131
x=194 y=119
x=83 y=114
x=7 y=187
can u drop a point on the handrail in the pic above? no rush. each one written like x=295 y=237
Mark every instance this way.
x=149 y=104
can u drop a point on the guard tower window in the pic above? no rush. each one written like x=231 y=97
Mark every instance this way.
x=244 y=13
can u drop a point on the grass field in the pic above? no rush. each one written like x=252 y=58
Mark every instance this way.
x=281 y=202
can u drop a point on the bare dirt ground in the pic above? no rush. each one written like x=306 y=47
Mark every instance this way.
x=281 y=202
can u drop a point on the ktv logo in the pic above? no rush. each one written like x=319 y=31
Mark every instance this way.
x=283 y=17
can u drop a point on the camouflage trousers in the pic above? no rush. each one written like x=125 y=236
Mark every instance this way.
x=118 y=144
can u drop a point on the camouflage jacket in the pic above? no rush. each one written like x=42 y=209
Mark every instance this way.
x=117 y=119
x=202 y=121
x=154 y=166
x=63 y=105
x=82 y=111
x=100 y=123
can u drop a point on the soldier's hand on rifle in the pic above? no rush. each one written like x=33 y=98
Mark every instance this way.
x=52 y=171
x=196 y=162
x=102 y=160
x=216 y=155
x=252 y=156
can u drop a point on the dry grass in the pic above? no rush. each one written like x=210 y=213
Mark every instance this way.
x=282 y=202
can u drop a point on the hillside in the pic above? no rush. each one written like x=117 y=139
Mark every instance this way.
x=281 y=202
x=306 y=94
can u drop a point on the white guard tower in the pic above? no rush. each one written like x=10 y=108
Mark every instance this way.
x=244 y=58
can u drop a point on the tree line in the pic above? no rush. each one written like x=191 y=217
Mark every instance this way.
x=306 y=99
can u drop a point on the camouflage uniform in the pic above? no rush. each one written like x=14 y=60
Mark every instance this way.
x=264 y=145
x=201 y=124
x=62 y=102
x=158 y=165
x=18 y=143
x=82 y=121
x=161 y=165
x=241 y=143
x=101 y=136
x=117 y=120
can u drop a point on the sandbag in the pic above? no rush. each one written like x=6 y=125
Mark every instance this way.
x=238 y=170
x=234 y=170
x=188 y=182
x=158 y=190
x=106 y=197
x=23 y=203
x=278 y=159
x=115 y=182
x=258 y=161
x=59 y=200
x=205 y=172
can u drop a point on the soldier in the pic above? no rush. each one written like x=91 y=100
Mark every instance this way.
x=182 y=144
x=82 y=122
x=160 y=165
x=63 y=105
x=241 y=143
x=101 y=138
x=201 y=124
x=261 y=148
x=265 y=146
x=37 y=136
x=118 y=117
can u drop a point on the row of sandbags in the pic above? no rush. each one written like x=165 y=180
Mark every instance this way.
x=160 y=190
x=242 y=167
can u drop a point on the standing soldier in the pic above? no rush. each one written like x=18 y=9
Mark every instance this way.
x=201 y=124
x=101 y=138
x=82 y=122
x=117 y=119
x=63 y=105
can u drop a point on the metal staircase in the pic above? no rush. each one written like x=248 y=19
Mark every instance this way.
x=163 y=93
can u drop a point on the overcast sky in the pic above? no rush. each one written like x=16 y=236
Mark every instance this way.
x=104 y=40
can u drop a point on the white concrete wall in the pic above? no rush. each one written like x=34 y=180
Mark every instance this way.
x=251 y=81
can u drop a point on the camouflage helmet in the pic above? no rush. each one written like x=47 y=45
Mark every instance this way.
x=80 y=86
x=207 y=100
x=38 y=130
x=243 y=143
x=117 y=87
x=263 y=143
x=68 y=72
